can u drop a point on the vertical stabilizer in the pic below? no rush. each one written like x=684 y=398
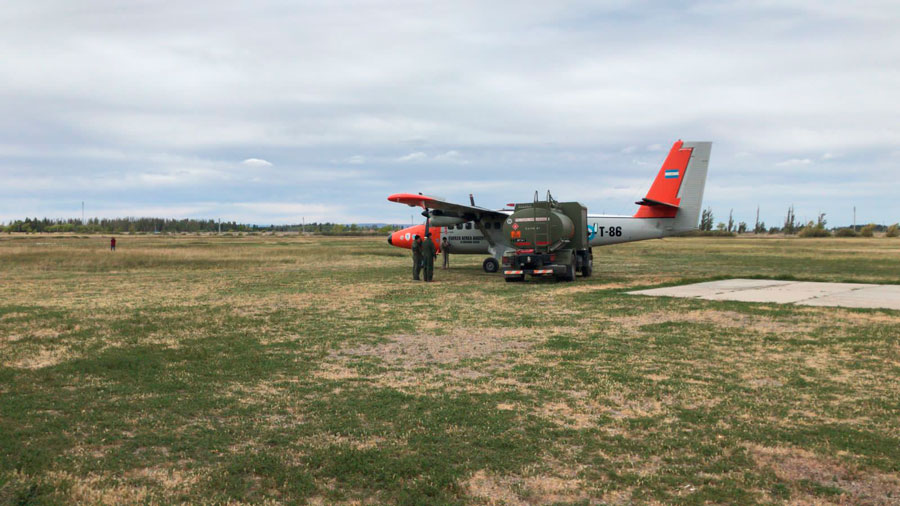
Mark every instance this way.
x=677 y=191
x=691 y=191
x=662 y=201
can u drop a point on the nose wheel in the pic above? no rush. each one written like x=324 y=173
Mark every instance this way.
x=490 y=265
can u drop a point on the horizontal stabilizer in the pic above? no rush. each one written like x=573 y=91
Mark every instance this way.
x=651 y=202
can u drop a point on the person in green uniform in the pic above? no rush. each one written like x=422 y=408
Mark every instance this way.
x=445 y=251
x=429 y=252
x=417 y=256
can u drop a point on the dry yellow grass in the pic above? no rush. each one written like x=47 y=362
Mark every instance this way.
x=280 y=369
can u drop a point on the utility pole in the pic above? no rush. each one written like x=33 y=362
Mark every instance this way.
x=854 y=217
x=303 y=225
x=82 y=213
x=756 y=228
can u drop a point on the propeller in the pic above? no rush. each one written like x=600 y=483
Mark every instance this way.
x=427 y=214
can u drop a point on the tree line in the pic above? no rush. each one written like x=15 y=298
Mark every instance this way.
x=791 y=226
x=174 y=226
x=708 y=226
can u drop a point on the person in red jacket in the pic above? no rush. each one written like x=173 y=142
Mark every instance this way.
x=112 y=244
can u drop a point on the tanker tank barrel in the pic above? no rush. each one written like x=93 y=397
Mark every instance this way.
x=548 y=237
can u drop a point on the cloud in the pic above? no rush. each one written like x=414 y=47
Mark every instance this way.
x=451 y=156
x=256 y=163
x=413 y=157
x=794 y=162
x=447 y=157
x=156 y=114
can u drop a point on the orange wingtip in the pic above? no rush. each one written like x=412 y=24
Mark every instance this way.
x=410 y=199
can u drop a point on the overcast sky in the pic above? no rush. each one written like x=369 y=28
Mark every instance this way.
x=268 y=112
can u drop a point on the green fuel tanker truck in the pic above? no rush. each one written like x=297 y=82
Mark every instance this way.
x=549 y=238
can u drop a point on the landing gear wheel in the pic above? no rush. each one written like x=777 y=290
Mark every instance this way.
x=490 y=265
x=515 y=279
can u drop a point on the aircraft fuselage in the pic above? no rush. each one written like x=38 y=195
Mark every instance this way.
x=467 y=238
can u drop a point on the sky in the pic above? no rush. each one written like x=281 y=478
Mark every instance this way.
x=283 y=111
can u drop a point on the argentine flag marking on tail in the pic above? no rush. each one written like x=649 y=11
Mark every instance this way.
x=671 y=173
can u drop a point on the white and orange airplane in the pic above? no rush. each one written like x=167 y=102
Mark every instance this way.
x=671 y=207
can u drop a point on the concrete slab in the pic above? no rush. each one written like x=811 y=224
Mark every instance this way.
x=857 y=295
x=711 y=287
x=787 y=293
x=880 y=296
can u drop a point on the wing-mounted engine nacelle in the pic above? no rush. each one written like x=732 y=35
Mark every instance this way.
x=446 y=221
x=439 y=220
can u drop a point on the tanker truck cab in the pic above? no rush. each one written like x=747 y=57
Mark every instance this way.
x=548 y=238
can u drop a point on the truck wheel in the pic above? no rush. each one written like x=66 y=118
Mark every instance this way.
x=587 y=267
x=490 y=265
x=570 y=270
x=569 y=275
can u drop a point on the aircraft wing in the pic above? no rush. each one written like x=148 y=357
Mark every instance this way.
x=441 y=207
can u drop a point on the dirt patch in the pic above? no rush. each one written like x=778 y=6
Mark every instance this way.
x=581 y=412
x=618 y=497
x=727 y=319
x=795 y=465
x=335 y=372
x=107 y=489
x=581 y=416
x=10 y=316
x=168 y=479
x=95 y=489
x=867 y=318
x=635 y=408
x=42 y=358
x=413 y=350
x=582 y=288
x=40 y=333
x=425 y=361
x=553 y=489
x=541 y=489
x=493 y=489
x=762 y=382
x=261 y=392
x=327 y=440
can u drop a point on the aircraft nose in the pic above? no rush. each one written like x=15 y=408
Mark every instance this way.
x=391 y=239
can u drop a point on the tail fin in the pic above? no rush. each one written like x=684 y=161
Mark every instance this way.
x=677 y=191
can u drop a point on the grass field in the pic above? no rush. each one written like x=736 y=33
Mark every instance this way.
x=286 y=369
